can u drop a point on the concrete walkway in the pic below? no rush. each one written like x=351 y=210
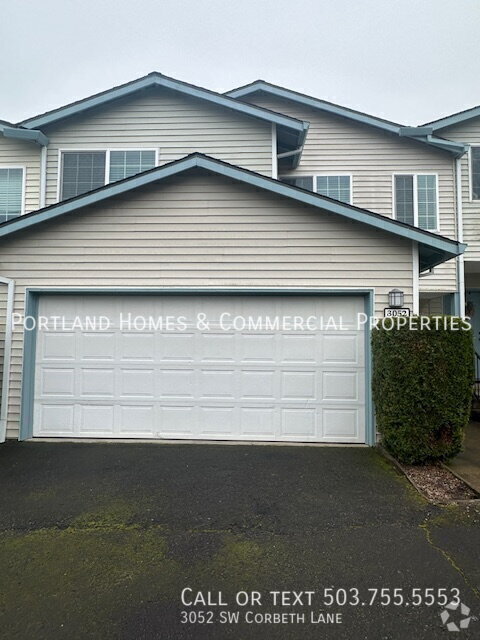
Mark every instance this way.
x=467 y=463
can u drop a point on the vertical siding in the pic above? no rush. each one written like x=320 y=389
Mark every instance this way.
x=169 y=122
x=23 y=154
x=469 y=133
x=201 y=231
x=336 y=145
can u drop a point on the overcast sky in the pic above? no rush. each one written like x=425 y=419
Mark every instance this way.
x=406 y=60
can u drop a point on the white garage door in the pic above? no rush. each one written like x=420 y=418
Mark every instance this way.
x=115 y=378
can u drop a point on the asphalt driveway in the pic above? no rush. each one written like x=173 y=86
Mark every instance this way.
x=99 y=540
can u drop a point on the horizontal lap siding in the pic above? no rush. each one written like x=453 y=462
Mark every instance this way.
x=469 y=133
x=167 y=121
x=334 y=144
x=23 y=154
x=201 y=231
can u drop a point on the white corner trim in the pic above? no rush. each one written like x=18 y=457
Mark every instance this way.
x=274 y=152
x=459 y=221
x=7 y=356
x=42 y=198
x=415 y=279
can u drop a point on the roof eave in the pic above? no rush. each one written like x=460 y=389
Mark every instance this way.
x=421 y=134
x=27 y=135
x=432 y=241
x=455 y=118
x=158 y=80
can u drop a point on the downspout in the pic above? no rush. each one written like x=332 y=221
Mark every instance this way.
x=460 y=260
x=43 y=176
x=7 y=356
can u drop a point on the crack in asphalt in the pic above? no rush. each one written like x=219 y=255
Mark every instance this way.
x=424 y=526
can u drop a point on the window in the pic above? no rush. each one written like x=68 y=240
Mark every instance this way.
x=124 y=164
x=83 y=171
x=11 y=193
x=416 y=200
x=303 y=182
x=336 y=187
x=475 y=172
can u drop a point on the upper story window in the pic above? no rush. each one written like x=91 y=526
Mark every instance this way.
x=124 y=164
x=11 y=192
x=83 y=171
x=475 y=172
x=338 y=187
x=416 y=200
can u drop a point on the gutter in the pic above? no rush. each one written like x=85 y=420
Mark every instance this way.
x=28 y=135
x=7 y=356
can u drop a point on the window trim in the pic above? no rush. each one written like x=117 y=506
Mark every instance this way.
x=23 y=167
x=106 y=150
x=470 y=181
x=325 y=174
x=415 y=175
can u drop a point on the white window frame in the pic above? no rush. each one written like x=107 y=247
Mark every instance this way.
x=324 y=174
x=24 y=183
x=415 y=196
x=106 y=150
x=470 y=181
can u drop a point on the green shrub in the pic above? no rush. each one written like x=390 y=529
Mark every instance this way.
x=422 y=388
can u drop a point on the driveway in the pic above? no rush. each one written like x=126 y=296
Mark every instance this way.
x=99 y=540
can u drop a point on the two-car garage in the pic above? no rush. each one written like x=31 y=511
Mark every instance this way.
x=250 y=366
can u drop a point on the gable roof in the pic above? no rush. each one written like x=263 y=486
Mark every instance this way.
x=291 y=132
x=418 y=134
x=433 y=248
x=454 y=118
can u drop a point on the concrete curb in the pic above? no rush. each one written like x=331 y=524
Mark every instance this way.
x=401 y=470
x=457 y=475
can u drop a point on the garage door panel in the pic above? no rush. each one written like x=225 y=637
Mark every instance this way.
x=177 y=421
x=259 y=347
x=96 y=419
x=298 y=348
x=340 y=424
x=258 y=385
x=97 y=382
x=343 y=349
x=58 y=382
x=341 y=385
x=176 y=347
x=299 y=423
x=138 y=419
x=58 y=346
x=218 y=421
x=213 y=384
x=137 y=383
x=96 y=346
x=258 y=422
x=56 y=420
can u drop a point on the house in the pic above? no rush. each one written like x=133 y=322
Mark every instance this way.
x=464 y=128
x=164 y=201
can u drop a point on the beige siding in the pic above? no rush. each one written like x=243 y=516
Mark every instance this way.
x=201 y=231
x=23 y=154
x=335 y=145
x=172 y=124
x=468 y=132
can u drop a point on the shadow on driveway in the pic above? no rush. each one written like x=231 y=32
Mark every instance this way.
x=98 y=541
